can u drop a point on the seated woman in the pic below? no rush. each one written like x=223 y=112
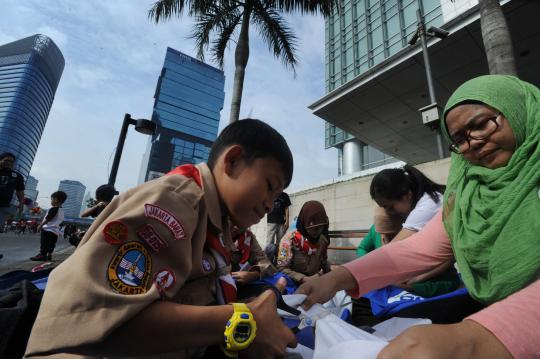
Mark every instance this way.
x=388 y=228
x=489 y=224
x=302 y=254
x=409 y=196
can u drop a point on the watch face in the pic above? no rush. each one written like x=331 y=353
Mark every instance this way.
x=242 y=332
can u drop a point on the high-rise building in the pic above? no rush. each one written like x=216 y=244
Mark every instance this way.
x=30 y=70
x=188 y=100
x=75 y=191
x=376 y=82
x=30 y=189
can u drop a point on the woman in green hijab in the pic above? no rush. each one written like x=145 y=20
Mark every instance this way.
x=490 y=224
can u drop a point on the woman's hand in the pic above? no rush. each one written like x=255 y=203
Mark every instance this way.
x=467 y=339
x=310 y=278
x=323 y=288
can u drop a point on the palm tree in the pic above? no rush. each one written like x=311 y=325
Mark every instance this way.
x=496 y=37
x=222 y=18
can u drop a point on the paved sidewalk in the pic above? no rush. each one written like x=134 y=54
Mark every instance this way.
x=17 y=250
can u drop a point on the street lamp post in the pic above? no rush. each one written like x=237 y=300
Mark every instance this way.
x=146 y=127
x=430 y=113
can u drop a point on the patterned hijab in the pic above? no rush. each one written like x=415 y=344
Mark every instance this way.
x=492 y=216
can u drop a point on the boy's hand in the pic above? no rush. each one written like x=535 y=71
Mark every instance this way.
x=272 y=335
x=244 y=277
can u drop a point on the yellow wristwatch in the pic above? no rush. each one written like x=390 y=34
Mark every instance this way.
x=240 y=330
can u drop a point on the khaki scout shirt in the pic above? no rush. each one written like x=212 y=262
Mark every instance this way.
x=297 y=264
x=257 y=259
x=153 y=250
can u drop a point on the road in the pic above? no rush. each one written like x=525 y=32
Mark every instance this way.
x=17 y=249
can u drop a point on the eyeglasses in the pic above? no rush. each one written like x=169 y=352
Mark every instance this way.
x=317 y=225
x=480 y=131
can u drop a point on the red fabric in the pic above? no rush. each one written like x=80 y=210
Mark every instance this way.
x=226 y=282
x=303 y=244
x=243 y=242
x=189 y=171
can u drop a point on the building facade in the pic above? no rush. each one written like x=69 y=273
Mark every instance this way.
x=30 y=189
x=30 y=70
x=75 y=191
x=188 y=100
x=376 y=81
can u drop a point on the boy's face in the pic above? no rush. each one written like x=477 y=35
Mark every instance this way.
x=55 y=202
x=248 y=190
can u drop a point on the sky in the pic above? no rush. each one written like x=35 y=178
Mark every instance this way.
x=114 y=55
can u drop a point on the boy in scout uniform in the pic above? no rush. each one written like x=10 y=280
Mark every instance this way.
x=152 y=275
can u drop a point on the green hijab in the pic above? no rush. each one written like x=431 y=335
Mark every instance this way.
x=492 y=216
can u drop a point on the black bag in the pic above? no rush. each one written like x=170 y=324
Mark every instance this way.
x=19 y=306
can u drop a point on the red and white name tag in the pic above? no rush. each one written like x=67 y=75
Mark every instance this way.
x=165 y=217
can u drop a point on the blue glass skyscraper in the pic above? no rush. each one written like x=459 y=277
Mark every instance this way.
x=30 y=70
x=188 y=100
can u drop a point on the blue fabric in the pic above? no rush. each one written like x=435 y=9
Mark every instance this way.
x=41 y=283
x=391 y=300
x=9 y=279
x=272 y=280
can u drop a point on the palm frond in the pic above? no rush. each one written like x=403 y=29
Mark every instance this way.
x=165 y=9
x=220 y=44
x=277 y=34
x=324 y=7
x=215 y=18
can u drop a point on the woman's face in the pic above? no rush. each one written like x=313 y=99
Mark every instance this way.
x=315 y=225
x=397 y=207
x=491 y=152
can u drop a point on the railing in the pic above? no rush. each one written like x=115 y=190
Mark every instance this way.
x=345 y=234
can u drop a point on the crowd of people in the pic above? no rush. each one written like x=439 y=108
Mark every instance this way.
x=157 y=271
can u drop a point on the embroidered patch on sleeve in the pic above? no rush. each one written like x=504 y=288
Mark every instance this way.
x=115 y=232
x=164 y=279
x=129 y=269
x=151 y=237
x=165 y=217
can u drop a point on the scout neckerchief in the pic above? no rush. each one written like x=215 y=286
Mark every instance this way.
x=223 y=261
x=243 y=243
x=215 y=245
x=303 y=244
x=492 y=215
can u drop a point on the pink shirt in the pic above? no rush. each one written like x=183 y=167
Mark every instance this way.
x=514 y=321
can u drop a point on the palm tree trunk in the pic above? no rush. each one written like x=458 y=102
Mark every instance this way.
x=496 y=37
x=241 y=57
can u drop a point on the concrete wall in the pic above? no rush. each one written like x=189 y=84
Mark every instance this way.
x=348 y=203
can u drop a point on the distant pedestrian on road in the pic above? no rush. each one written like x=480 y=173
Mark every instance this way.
x=10 y=181
x=278 y=219
x=50 y=227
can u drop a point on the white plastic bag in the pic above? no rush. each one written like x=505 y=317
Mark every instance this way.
x=336 y=339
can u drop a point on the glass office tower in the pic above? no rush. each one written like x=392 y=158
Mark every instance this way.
x=367 y=32
x=75 y=191
x=188 y=100
x=30 y=70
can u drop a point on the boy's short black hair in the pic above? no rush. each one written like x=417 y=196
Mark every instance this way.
x=7 y=154
x=106 y=192
x=259 y=140
x=61 y=196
